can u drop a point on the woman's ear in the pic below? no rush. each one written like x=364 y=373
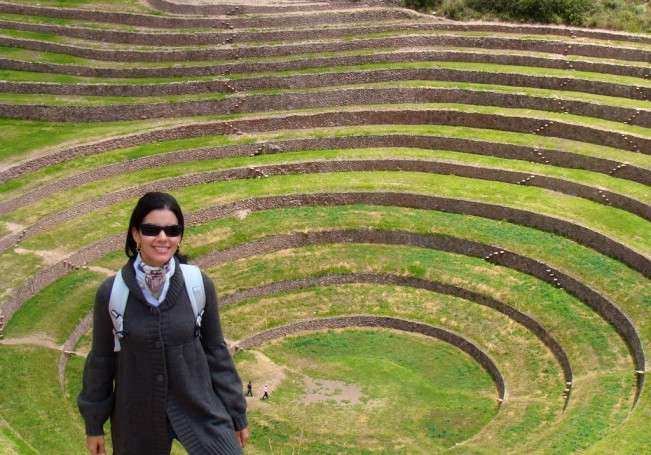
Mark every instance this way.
x=135 y=233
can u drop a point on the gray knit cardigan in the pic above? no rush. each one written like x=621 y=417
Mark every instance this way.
x=166 y=368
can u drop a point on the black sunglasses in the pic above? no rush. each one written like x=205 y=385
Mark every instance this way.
x=152 y=230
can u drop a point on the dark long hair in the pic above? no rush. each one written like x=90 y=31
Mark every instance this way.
x=152 y=201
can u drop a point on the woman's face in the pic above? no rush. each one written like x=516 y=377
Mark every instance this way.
x=157 y=250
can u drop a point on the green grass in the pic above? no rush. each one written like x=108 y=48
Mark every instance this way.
x=568 y=316
x=535 y=415
x=594 y=415
x=606 y=272
x=578 y=120
x=402 y=375
x=460 y=66
x=33 y=19
x=564 y=95
x=617 y=224
x=11 y=443
x=507 y=113
x=559 y=312
x=73 y=383
x=90 y=162
x=84 y=230
x=106 y=5
x=33 y=179
x=536 y=374
x=359 y=36
x=17 y=268
x=532 y=140
x=596 y=409
x=71 y=100
x=70 y=298
x=69 y=198
x=529 y=91
x=622 y=285
x=618 y=282
x=505 y=35
x=30 y=55
x=56 y=100
x=631 y=436
x=436 y=275
x=38 y=36
x=20 y=137
x=30 y=76
x=412 y=404
x=32 y=403
x=56 y=310
x=45 y=57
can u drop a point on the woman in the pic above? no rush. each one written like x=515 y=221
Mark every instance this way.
x=172 y=376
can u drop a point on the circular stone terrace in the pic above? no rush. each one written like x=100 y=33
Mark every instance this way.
x=404 y=215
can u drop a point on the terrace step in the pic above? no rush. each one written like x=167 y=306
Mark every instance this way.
x=235 y=36
x=154 y=21
x=531 y=45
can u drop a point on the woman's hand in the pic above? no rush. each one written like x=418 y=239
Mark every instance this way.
x=242 y=436
x=95 y=445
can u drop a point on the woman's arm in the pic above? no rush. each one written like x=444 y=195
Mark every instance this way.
x=95 y=401
x=225 y=380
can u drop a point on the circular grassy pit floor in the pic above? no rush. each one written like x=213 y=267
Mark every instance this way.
x=361 y=390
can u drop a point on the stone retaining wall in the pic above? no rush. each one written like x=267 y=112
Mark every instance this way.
x=153 y=21
x=69 y=345
x=313 y=100
x=384 y=322
x=556 y=226
x=399 y=55
x=232 y=35
x=439 y=74
x=577 y=233
x=238 y=9
x=356 y=142
x=281 y=287
x=224 y=53
x=541 y=127
x=602 y=306
x=327 y=17
x=49 y=274
x=206 y=38
x=542 y=271
x=516 y=152
x=395 y=165
x=532 y=126
x=328 y=79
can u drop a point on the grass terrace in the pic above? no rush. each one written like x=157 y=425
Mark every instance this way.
x=281 y=256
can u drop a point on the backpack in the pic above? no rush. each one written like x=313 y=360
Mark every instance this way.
x=120 y=293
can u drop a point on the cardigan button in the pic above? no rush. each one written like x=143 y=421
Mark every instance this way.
x=160 y=377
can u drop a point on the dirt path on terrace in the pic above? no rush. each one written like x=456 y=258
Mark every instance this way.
x=50 y=257
x=32 y=340
x=266 y=372
x=316 y=390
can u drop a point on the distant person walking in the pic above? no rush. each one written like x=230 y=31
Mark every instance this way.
x=249 y=389
x=265 y=395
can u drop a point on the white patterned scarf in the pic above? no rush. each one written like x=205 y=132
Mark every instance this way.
x=154 y=281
